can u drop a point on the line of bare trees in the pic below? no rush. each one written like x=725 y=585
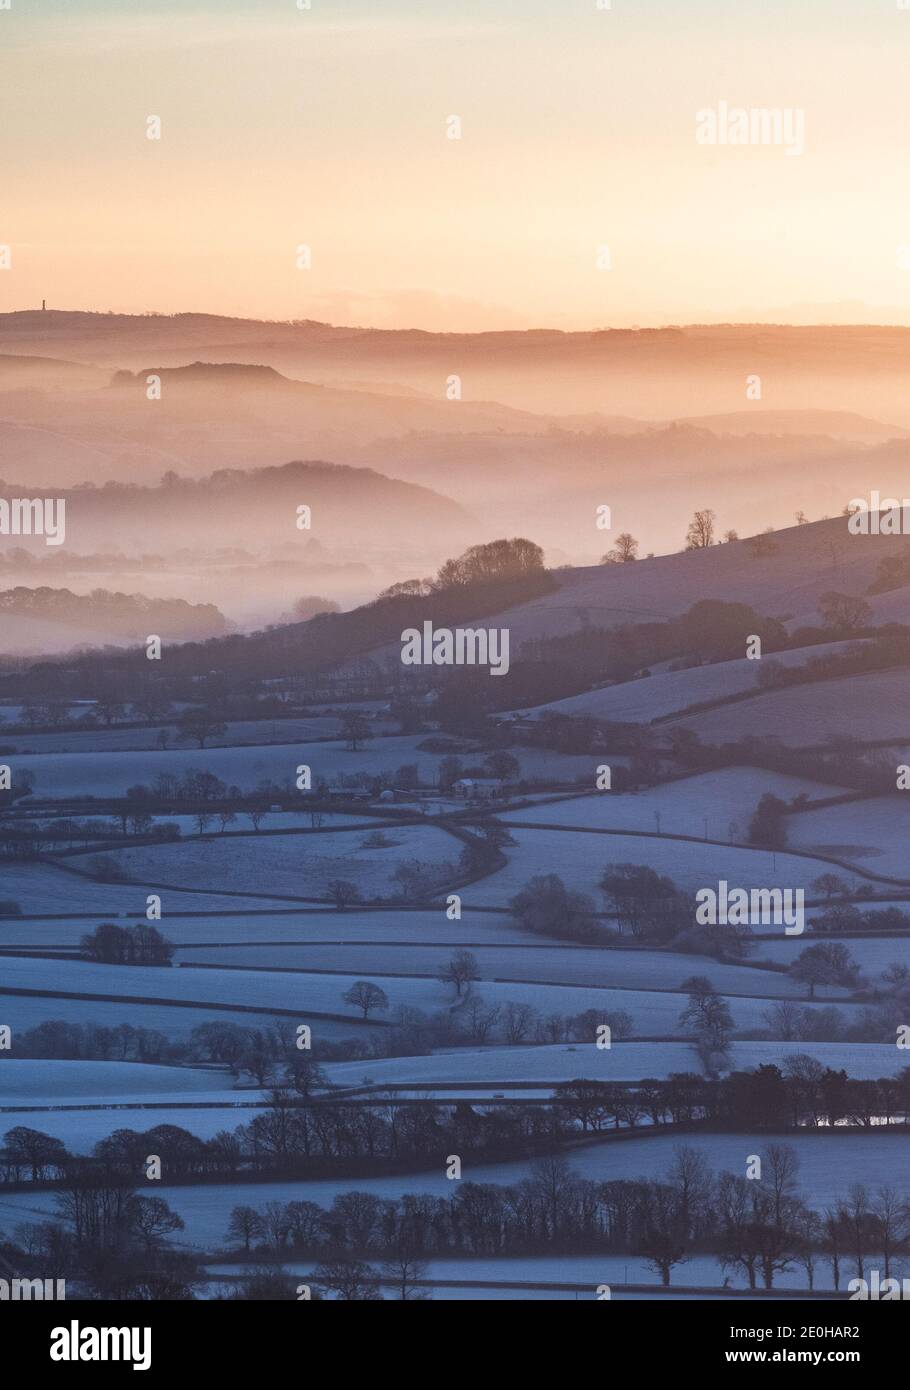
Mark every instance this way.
x=756 y=1228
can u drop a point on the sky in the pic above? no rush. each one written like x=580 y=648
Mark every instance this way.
x=578 y=195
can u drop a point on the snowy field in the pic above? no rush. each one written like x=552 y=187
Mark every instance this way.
x=828 y=1165
x=317 y=925
x=784 y=584
x=581 y=860
x=119 y=740
x=872 y=955
x=541 y=964
x=624 y=1061
x=654 y=1014
x=295 y=865
x=241 y=960
x=40 y=1082
x=722 y=801
x=703 y=1271
x=22 y=1012
x=188 y=1097
x=466 y=1294
x=241 y=825
x=698 y=1270
x=103 y=775
x=46 y=890
x=667 y=692
x=275 y=821
x=893 y=606
x=858 y=707
x=873 y=834
x=81 y=1130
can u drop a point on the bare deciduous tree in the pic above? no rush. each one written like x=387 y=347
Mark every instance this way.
x=701 y=530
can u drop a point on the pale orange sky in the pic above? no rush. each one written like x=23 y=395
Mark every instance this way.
x=328 y=127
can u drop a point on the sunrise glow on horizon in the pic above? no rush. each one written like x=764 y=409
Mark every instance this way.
x=330 y=128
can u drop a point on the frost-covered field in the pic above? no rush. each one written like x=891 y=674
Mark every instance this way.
x=241 y=825
x=39 y=1082
x=703 y=1271
x=563 y=964
x=45 y=889
x=283 y=820
x=581 y=860
x=828 y=1164
x=191 y=1098
x=297 y=993
x=724 y=801
x=872 y=955
x=301 y=865
x=119 y=740
x=698 y=1271
x=624 y=1061
x=81 y=1130
x=859 y=708
x=667 y=692
x=461 y=1293
x=873 y=834
x=110 y=774
x=317 y=925
x=21 y=1012
x=789 y=582
x=241 y=959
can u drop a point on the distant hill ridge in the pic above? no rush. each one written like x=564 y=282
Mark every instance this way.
x=120 y=616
